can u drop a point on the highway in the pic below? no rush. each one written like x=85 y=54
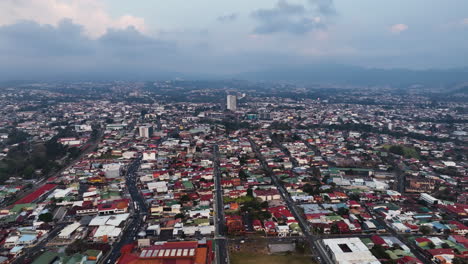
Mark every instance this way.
x=221 y=250
x=135 y=223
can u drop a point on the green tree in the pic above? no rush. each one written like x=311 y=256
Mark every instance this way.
x=243 y=175
x=379 y=252
x=425 y=230
x=47 y=217
x=458 y=260
x=431 y=245
x=180 y=215
x=185 y=198
x=250 y=192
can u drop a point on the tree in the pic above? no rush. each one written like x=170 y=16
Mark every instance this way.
x=300 y=247
x=379 y=252
x=17 y=136
x=47 y=217
x=342 y=211
x=185 y=198
x=250 y=192
x=425 y=230
x=180 y=215
x=458 y=260
x=243 y=175
x=445 y=245
x=431 y=245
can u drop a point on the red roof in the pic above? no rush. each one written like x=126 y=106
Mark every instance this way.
x=441 y=251
x=422 y=239
x=36 y=194
x=257 y=222
x=378 y=240
x=409 y=260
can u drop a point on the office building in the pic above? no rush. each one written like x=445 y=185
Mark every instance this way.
x=232 y=102
x=145 y=131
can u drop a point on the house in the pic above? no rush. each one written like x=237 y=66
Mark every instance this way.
x=377 y=240
x=267 y=195
x=113 y=207
x=257 y=225
x=271 y=227
x=442 y=255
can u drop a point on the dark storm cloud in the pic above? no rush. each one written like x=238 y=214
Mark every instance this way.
x=227 y=18
x=30 y=39
x=287 y=17
x=30 y=49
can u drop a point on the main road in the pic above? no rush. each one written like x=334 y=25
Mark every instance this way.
x=221 y=251
x=132 y=228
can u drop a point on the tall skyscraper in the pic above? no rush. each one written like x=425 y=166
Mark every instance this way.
x=145 y=131
x=232 y=102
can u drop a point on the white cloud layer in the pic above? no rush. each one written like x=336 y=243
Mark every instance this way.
x=91 y=14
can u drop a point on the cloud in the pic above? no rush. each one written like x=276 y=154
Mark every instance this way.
x=29 y=49
x=227 y=18
x=324 y=7
x=398 y=28
x=91 y=14
x=286 y=17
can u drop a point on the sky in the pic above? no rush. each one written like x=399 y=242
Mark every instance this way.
x=218 y=37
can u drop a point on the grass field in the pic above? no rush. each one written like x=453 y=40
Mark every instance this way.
x=250 y=258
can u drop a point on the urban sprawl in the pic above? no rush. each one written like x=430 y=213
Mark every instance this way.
x=182 y=172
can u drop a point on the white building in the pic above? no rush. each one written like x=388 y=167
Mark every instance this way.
x=231 y=102
x=68 y=231
x=149 y=155
x=429 y=199
x=112 y=170
x=160 y=187
x=145 y=131
x=349 y=251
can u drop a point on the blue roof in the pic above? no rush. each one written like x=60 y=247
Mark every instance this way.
x=439 y=226
x=25 y=238
x=16 y=249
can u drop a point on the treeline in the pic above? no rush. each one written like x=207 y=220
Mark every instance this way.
x=27 y=158
x=363 y=128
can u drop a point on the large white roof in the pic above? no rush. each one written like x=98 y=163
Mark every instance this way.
x=110 y=220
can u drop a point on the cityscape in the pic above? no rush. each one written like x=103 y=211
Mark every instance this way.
x=135 y=173
x=233 y=132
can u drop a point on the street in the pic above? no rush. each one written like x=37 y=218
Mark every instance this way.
x=130 y=233
x=312 y=239
x=221 y=251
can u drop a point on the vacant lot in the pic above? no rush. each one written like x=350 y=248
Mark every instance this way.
x=251 y=258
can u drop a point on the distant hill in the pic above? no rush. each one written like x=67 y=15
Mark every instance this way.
x=353 y=75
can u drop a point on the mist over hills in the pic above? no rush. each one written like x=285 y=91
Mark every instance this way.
x=355 y=75
x=332 y=74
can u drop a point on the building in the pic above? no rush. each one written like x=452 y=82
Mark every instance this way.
x=187 y=252
x=430 y=200
x=67 y=232
x=112 y=170
x=348 y=250
x=145 y=131
x=232 y=102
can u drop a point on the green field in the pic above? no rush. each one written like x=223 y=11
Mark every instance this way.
x=250 y=258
